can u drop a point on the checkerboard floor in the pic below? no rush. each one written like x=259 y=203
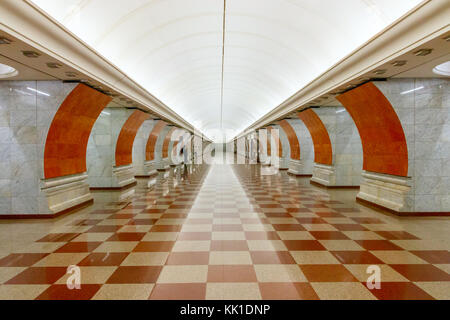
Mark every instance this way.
x=228 y=232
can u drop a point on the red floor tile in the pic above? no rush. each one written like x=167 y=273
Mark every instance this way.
x=38 y=275
x=310 y=220
x=231 y=273
x=356 y=257
x=166 y=228
x=104 y=259
x=173 y=215
x=434 y=256
x=85 y=222
x=179 y=291
x=58 y=237
x=271 y=257
x=21 y=259
x=377 y=245
x=421 y=272
x=328 y=235
x=277 y=215
x=78 y=247
x=288 y=227
x=287 y=291
x=298 y=210
x=121 y=216
x=153 y=211
x=127 y=236
x=329 y=214
x=188 y=258
x=397 y=235
x=103 y=229
x=142 y=222
x=229 y=245
x=349 y=227
x=154 y=246
x=61 y=292
x=302 y=245
x=400 y=291
x=126 y=274
x=327 y=273
x=367 y=220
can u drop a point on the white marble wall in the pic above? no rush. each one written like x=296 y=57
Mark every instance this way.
x=26 y=111
x=306 y=145
x=159 y=144
x=423 y=106
x=284 y=143
x=139 y=146
x=346 y=144
x=102 y=146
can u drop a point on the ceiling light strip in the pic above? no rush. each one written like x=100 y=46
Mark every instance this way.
x=223 y=62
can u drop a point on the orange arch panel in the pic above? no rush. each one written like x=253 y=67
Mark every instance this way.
x=382 y=137
x=124 y=146
x=292 y=138
x=174 y=148
x=68 y=135
x=165 y=148
x=269 y=145
x=323 y=152
x=277 y=141
x=153 y=137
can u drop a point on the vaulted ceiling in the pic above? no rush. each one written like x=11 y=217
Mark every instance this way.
x=223 y=65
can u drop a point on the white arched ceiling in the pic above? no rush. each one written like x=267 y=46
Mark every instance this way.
x=272 y=48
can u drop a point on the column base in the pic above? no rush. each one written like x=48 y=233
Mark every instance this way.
x=66 y=192
x=123 y=176
x=163 y=165
x=296 y=168
x=284 y=163
x=150 y=168
x=390 y=192
x=324 y=175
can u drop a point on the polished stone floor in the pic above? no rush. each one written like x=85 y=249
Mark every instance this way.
x=226 y=232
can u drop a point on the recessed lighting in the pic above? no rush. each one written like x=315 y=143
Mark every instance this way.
x=7 y=71
x=380 y=71
x=443 y=69
x=31 y=54
x=4 y=40
x=54 y=65
x=399 y=63
x=422 y=52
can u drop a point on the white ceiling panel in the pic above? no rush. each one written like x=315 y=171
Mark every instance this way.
x=272 y=48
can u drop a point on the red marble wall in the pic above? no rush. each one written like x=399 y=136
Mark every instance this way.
x=323 y=152
x=165 y=148
x=382 y=137
x=268 y=144
x=277 y=141
x=153 y=137
x=124 y=146
x=68 y=135
x=292 y=138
